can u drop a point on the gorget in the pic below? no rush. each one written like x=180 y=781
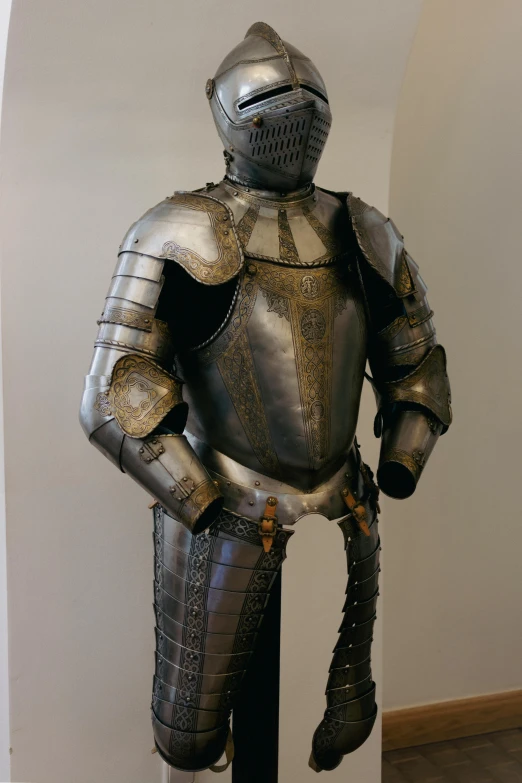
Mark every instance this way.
x=304 y=228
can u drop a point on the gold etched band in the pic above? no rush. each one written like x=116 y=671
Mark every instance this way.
x=141 y=394
x=125 y=317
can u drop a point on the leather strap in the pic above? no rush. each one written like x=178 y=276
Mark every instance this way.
x=268 y=523
x=229 y=755
x=357 y=509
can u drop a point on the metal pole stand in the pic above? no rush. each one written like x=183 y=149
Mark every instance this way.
x=256 y=714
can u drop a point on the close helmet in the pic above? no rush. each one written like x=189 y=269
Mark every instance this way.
x=271 y=111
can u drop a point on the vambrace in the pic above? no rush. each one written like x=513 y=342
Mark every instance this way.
x=210 y=592
x=132 y=408
x=413 y=412
x=350 y=692
x=411 y=388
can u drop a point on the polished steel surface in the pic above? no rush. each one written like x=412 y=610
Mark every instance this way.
x=194 y=230
x=287 y=388
x=271 y=111
x=218 y=575
x=214 y=622
x=201 y=655
x=212 y=643
x=320 y=283
x=202 y=701
x=302 y=228
x=245 y=490
x=189 y=750
x=336 y=696
x=350 y=693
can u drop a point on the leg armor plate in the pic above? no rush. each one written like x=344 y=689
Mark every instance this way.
x=210 y=593
x=350 y=692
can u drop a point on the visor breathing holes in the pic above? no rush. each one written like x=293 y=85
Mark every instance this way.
x=281 y=143
x=318 y=135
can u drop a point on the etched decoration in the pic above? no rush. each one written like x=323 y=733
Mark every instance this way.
x=312 y=331
x=126 y=317
x=246 y=225
x=287 y=249
x=277 y=304
x=229 y=254
x=243 y=310
x=313 y=325
x=309 y=286
x=340 y=302
x=331 y=244
x=236 y=366
x=102 y=404
x=310 y=302
x=141 y=394
x=269 y=34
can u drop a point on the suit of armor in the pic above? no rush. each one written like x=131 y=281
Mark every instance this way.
x=243 y=315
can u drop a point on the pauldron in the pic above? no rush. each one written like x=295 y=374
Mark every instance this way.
x=382 y=246
x=195 y=231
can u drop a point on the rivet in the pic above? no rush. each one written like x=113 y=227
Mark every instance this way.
x=247 y=190
x=136 y=241
x=281 y=210
x=236 y=193
x=228 y=483
x=250 y=502
x=185 y=478
x=225 y=233
x=258 y=483
x=146 y=320
x=141 y=451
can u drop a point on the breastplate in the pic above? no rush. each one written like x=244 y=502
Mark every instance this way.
x=278 y=388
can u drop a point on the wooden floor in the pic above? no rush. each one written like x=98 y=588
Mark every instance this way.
x=490 y=758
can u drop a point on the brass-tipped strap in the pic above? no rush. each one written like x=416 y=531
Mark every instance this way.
x=357 y=509
x=268 y=523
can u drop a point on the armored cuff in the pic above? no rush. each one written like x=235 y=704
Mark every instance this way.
x=169 y=469
x=408 y=439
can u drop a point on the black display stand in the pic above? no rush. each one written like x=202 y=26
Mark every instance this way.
x=256 y=713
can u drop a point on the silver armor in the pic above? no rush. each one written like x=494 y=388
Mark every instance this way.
x=271 y=111
x=226 y=381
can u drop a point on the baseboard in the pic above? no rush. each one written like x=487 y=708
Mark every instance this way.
x=451 y=720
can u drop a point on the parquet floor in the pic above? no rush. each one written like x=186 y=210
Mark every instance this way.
x=490 y=758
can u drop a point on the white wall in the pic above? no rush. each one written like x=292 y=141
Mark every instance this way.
x=104 y=115
x=5 y=10
x=453 y=587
